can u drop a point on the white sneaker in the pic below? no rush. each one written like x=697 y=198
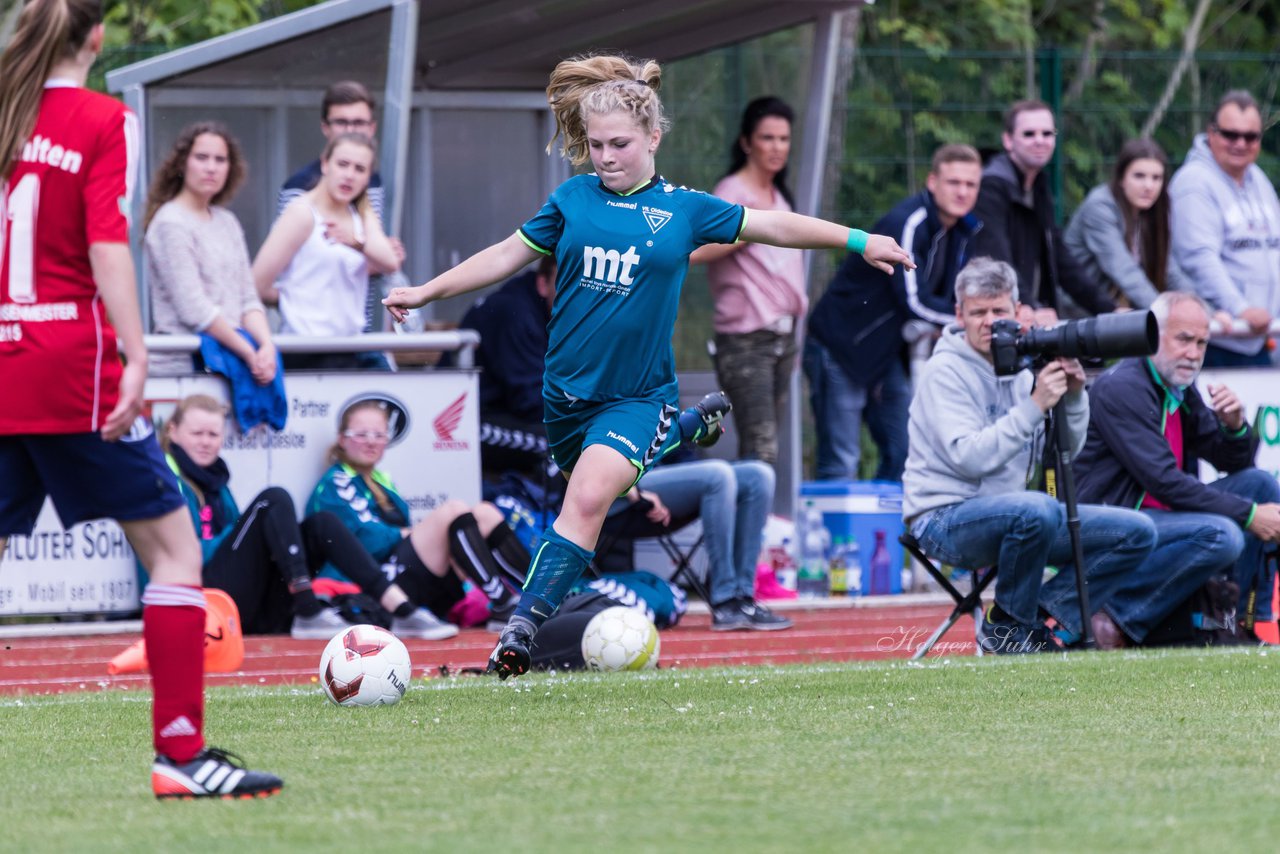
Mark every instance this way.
x=324 y=625
x=422 y=624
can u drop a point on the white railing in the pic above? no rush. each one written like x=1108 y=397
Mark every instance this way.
x=461 y=341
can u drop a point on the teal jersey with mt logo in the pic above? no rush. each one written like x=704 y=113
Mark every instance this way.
x=621 y=263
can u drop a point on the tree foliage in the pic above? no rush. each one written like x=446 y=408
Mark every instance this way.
x=171 y=23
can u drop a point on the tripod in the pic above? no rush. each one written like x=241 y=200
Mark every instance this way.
x=1065 y=482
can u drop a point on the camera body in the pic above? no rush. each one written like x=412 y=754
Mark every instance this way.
x=1108 y=336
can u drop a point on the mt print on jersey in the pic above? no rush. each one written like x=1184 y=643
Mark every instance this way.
x=621 y=263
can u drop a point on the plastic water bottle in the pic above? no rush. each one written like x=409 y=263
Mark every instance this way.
x=853 y=566
x=814 y=542
x=784 y=564
x=880 y=569
x=837 y=569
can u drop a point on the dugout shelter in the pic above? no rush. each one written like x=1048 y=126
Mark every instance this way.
x=463 y=120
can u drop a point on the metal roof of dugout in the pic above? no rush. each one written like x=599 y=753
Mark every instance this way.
x=462 y=87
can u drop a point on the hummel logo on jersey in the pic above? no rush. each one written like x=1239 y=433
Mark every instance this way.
x=656 y=218
x=628 y=205
x=179 y=726
x=609 y=265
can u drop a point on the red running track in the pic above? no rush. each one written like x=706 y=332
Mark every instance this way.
x=54 y=665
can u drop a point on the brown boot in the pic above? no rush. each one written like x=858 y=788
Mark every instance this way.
x=1106 y=634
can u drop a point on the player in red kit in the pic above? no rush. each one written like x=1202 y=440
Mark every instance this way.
x=71 y=426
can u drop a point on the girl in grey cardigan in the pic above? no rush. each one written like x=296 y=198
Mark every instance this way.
x=197 y=258
x=1120 y=234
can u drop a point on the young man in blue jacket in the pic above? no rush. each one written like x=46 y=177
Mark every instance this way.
x=1150 y=428
x=855 y=356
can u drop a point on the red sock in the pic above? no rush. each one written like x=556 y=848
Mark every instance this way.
x=173 y=627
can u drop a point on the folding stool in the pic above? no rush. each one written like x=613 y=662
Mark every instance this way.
x=966 y=603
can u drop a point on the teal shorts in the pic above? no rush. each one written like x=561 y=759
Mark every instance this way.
x=641 y=429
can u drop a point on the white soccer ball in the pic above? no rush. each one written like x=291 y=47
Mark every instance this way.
x=620 y=638
x=364 y=666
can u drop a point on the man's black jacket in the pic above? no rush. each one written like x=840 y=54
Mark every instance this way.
x=1126 y=454
x=1027 y=237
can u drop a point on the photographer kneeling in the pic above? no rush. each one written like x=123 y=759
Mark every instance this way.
x=975 y=440
x=1149 y=431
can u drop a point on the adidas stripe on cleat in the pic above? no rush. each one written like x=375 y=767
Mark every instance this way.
x=213 y=773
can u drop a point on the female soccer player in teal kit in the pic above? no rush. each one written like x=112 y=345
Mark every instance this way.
x=622 y=238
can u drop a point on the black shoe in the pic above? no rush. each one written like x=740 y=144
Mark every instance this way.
x=703 y=423
x=512 y=655
x=761 y=618
x=1009 y=637
x=213 y=773
x=728 y=616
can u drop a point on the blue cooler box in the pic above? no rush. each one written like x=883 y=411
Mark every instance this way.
x=859 y=508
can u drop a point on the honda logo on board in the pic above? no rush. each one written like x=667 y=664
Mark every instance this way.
x=447 y=422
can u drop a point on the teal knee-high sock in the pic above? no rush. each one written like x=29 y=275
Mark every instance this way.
x=557 y=564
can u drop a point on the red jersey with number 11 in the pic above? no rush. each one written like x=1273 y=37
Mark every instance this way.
x=70 y=187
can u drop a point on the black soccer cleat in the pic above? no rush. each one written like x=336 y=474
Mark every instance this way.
x=512 y=655
x=703 y=423
x=213 y=773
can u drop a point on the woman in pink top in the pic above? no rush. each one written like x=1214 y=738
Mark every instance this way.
x=759 y=290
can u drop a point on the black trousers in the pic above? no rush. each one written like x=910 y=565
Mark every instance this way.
x=268 y=549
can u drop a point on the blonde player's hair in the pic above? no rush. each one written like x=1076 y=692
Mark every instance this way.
x=595 y=85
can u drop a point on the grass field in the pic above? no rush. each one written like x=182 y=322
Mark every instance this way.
x=1083 y=753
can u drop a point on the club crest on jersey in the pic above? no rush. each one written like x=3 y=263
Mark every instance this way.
x=656 y=218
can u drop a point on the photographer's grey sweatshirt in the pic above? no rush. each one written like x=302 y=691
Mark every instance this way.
x=973 y=433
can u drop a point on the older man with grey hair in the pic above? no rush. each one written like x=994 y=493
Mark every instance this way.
x=1150 y=428
x=976 y=439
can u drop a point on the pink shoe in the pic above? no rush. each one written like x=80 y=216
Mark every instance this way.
x=471 y=610
x=767 y=586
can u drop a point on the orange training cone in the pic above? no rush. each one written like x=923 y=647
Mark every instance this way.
x=223 y=640
x=132 y=660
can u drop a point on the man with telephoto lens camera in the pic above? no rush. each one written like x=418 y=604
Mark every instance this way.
x=1151 y=427
x=976 y=438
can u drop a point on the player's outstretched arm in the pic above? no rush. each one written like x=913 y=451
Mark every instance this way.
x=486 y=267
x=783 y=228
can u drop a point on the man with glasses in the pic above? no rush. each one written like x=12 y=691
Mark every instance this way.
x=347 y=108
x=1226 y=228
x=1015 y=207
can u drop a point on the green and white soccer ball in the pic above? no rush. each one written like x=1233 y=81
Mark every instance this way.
x=620 y=638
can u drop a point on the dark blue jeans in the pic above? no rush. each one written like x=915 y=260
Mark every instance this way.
x=839 y=406
x=1191 y=547
x=1021 y=533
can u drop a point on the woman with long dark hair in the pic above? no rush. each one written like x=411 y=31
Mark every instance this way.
x=758 y=289
x=72 y=428
x=197 y=257
x=1120 y=233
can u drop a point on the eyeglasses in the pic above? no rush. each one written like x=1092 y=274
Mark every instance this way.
x=349 y=124
x=1044 y=134
x=366 y=436
x=1248 y=137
